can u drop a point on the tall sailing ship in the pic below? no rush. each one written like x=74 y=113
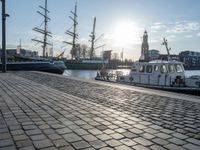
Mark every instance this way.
x=40 y=63
x=76 y=61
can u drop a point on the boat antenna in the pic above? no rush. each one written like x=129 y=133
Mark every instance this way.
x=73 y=33
x=168 y=49
x=43 y=31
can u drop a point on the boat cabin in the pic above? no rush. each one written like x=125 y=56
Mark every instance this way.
x=161 y=73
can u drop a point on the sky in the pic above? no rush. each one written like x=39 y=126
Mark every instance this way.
x=121 y=21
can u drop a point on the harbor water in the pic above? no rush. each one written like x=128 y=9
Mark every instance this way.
x=90 y=74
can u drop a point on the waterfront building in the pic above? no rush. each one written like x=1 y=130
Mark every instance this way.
x=20 y=52
x=173 y=57
x=191 y=59
x=153 y=54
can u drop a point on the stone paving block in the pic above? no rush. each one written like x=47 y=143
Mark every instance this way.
x=162 y=135
x=54 y=136
x=95 y=131
x=174 y=147
x=136 y=131
x=72 y=137
x=80 y=145
x=81 y=132
x=113 y=143
x=191 y=147
x=143 y=141
x=42 y=144
x=49 y=148
x=109 y=131
x=8 y=148
x=116 y=136
x=60 y=143
x=89 y=138
x=176 y=141
x=140 y=147
x=33 y=132
x=123 y=147
x=106 y=148
x=104 y=137
x=193 y=141
x=160 y=141
x=24 y=143
x=129 y=135
x=157 y=147
x=97 y=144
x=67 y=148
x=148 y=136
x=6 y=143
x=180 y=136
x=27 y=148
x=38 y=137
x=128 y=142
x=20 y=137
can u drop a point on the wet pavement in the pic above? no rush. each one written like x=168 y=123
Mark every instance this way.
x=45 y=111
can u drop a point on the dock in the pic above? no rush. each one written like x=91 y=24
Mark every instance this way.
x=45 y=111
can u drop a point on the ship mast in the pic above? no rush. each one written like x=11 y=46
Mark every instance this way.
x=43 y=31
x=73 y=33
x=168 y=49
x=93 y=40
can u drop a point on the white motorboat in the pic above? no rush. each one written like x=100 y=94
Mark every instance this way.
x=159 y=74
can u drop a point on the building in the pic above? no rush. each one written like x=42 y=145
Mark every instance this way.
x=190 y=59
x=20 y=52
x=145 y=48
x=154 y=54
x=107 y=55
x=172 y=56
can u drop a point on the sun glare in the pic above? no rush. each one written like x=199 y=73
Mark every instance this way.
x=126 y=34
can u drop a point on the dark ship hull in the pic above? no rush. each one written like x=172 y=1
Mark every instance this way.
x=85 y=65
x=57 y=67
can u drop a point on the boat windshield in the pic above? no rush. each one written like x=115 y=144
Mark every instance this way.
x=163 y=69
x=134 y=69
x=171 y=68
x=142 y=68
x=156 y=68
x=149 y=69
x=179 y=68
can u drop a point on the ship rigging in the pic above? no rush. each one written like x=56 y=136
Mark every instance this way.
x=73 y=33
x=44 y=13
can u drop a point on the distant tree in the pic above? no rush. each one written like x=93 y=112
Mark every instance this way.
x=84 y=48
x=115 y=56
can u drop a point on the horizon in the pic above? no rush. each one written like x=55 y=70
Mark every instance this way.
x=123 y=24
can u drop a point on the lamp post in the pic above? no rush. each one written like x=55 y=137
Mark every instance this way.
x=4 y=15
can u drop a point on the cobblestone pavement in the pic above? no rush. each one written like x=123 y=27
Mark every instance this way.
x=49 y=112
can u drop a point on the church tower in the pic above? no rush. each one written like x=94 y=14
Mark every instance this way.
x=145 y=48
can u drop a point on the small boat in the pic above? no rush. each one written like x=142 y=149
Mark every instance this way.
x=159 y=74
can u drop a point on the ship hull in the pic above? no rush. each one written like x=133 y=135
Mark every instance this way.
x=74 y=65
x=57 y=68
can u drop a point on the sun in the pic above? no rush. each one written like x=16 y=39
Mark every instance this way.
x=126 y=33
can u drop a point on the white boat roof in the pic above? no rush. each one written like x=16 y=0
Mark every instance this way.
x=160 y=62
